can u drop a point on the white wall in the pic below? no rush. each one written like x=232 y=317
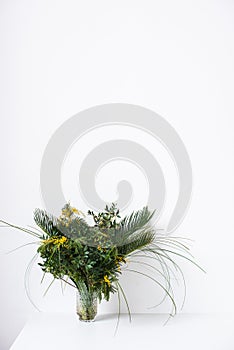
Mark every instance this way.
x=174 y=57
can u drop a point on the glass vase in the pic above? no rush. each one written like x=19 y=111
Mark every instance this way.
x=86 y=305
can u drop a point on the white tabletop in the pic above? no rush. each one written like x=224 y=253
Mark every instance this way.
x=185 y=331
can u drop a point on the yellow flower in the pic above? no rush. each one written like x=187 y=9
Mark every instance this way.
x=61 y=240
x=119 y=258
x=99 y=247
x=118 y=266
x=106 y=280
x=56 y=241
x=78 y=212
x=66 y=212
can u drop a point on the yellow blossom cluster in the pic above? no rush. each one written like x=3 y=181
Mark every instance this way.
x=120 y=259
x=68 y=214
x=106 y=279
x=57 y=241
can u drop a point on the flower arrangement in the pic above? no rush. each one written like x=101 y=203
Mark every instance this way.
x=91 y=258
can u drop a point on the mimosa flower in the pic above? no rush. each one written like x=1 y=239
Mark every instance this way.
x=106 y=279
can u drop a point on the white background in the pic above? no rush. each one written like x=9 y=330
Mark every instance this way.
x=174 y=57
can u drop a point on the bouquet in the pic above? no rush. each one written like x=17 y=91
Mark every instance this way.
x=91 y=258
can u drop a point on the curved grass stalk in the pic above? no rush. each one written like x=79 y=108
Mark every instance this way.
x=154 y=268
x=184 y=283
x=43 y=276
x=59 y=259
x=176 y=266
x=153 y=279
x=66 y=281
x=163 y=275
x=171 y=239
x=182 y=274
x=173 y=242
x=165 y=267
x=146 y=264
x=61 y=284
x=159 y=253
x=139 y=240
x=119 y=310
x=26 y=280
x=185 y=287
x=182 y=256
x=166 y=256
x=21 y=246
x=185 y=290
x=166 y=270
x=164 y=264
x=35 y=228
x=126 y=301
x=174 y=307
x=159 y=245
x=175 y=237
x=176 y=246
x=47 y=289
x=35 y=234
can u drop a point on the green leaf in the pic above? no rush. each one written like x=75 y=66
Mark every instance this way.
x=47 y=222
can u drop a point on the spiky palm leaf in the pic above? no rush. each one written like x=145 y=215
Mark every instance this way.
x=136 y=221
x=91 y=253
x=137 y=241
x=134 y=231
x=47 y=222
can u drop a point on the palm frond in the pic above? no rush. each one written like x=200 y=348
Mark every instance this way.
x=136 y=221
x=47 y=222
x=137 y=241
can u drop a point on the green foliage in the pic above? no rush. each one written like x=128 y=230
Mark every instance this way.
x=137 y=241
x=81 y=263
x=135 y=231
x=136 y=221
x=91 y=256
x=108 y=218
x=47 y=222
x=94 y=257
